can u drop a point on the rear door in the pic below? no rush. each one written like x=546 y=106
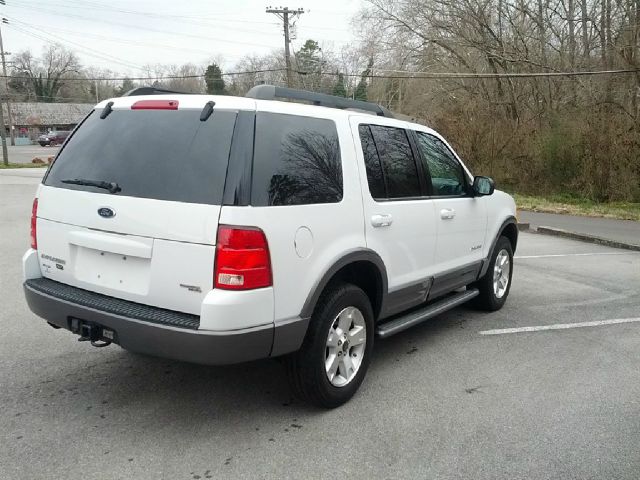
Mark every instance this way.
x=399 y=217
x=151 y=239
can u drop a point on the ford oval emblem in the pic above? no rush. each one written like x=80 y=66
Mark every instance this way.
x=106 y=212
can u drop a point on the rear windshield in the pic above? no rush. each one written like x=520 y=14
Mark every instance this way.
x=164 y=155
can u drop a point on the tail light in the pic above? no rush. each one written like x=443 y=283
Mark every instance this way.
x=34 y=216
x=242 y=259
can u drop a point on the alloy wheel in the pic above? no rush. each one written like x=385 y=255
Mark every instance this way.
x=345 y=347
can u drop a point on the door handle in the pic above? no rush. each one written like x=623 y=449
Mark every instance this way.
x=447 y=213
x=381 y=220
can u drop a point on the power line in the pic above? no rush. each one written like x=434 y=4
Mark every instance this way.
x=150 y=77
x=436 y=75
x=124 y=41
x=112 y=39
x=19 y=98
x=142 y=27
x=204 y=20
x=409 y=75
x=101 y=6
x=47 y=37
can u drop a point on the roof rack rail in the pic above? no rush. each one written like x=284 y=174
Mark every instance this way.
x=271 y=92
x=151 y=91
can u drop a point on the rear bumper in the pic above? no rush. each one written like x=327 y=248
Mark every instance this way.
x=167 y=341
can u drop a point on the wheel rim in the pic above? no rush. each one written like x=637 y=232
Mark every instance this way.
x=346 y=344
x=501 y=273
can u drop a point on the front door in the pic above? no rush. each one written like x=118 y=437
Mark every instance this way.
x=461 y=217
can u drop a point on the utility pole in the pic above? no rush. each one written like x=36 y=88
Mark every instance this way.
x=285 y=14
x=6 y=84
x=3 y=136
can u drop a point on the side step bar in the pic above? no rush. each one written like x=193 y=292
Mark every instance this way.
x=399 y=324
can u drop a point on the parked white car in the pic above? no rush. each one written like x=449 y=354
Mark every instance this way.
x=217 y=229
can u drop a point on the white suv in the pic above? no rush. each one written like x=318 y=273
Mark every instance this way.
x=215 y=230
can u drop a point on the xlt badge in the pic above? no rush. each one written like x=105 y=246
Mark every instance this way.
x=191 y=288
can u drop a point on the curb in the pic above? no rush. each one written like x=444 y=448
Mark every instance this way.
x=558 y=232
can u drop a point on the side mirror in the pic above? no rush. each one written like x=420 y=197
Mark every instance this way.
x=483 y=186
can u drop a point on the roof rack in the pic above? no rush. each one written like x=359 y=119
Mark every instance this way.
x=271 y=92
x=151 y=91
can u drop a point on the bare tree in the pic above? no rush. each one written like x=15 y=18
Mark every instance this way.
x=46 y=75
x=566 y=133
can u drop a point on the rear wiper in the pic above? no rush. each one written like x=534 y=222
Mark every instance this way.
x=113 y=187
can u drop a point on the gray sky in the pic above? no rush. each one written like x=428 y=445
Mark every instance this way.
x=124 y=34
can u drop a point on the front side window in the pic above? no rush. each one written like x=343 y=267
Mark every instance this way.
x=296 y=161
x=398 y=164
x=447 y=175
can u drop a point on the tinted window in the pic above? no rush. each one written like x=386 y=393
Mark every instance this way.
x=164 y=155
x=296 y=161
x=398 y=165
x=447 y=176
x=372 y=163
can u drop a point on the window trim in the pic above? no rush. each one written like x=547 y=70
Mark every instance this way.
x=467 y=189
x=237 y=185
x=423 y=173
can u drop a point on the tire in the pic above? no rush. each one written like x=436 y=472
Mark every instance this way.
x=342 y=304
x=493 y=297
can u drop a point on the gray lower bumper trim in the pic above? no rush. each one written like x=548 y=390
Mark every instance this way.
x=111 y=305
x=197 y=346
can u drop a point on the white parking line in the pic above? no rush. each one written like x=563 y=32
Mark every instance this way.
x=575 y=255
x=559 y=326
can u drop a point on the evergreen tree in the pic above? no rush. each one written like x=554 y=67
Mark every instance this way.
x=339 y=90
x=127 y=85
x=213 y=79
x=309 y=58
x=309 y=61
x=361 y=88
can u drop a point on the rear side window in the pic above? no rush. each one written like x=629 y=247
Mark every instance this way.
x=296 y=161
x=163 y=155
x=398 y=165
x=447 y=176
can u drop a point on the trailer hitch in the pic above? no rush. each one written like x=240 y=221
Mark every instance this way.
x=90 y=332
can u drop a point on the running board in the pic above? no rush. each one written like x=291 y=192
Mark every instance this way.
x=399 y=324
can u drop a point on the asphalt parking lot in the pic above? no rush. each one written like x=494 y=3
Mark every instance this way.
x=452 y=398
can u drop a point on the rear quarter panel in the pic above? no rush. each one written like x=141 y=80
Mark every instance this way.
x=332 y=230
